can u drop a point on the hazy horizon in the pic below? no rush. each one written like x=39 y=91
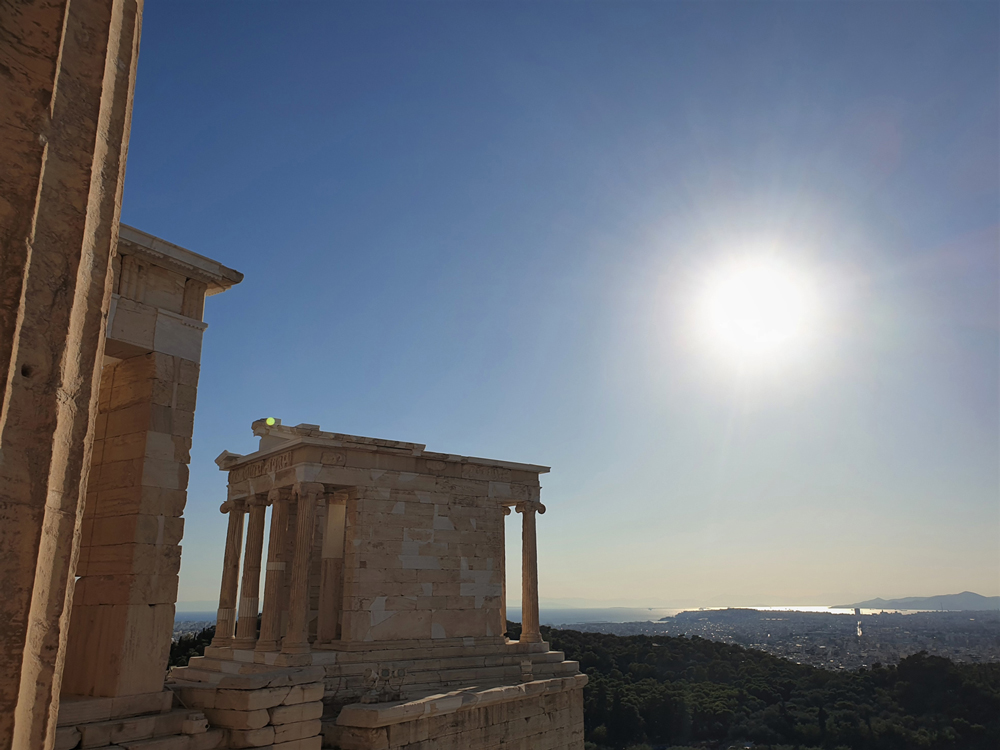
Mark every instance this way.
x=208 y=605
x=524 y=231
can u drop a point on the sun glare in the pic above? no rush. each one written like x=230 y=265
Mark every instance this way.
x=756 y=310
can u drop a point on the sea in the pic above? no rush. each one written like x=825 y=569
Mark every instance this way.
x=555 y=617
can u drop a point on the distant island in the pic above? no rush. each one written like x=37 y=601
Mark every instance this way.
x=966 y=600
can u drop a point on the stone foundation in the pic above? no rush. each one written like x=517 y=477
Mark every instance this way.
x=544 y=715
x=277 y=709
x=148 y=721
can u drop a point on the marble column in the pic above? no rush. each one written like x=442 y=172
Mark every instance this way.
x=226 y=620
x=503 y=571
x=296 y=640
x=274 y=578
x=529 y=572
x=246 y=625
x=69 y=73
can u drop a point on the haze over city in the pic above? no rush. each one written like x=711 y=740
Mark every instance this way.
x=730 y=269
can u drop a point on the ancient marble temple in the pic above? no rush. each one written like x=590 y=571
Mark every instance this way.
x=383 y=609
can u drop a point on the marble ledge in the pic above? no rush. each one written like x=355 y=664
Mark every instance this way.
x=373 y=715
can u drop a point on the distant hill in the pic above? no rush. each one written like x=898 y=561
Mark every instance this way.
x=965 y=600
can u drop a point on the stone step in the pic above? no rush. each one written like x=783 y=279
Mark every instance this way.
x=390 y=653
x=368 y=652
x=183 y=721
x=210 y=740
x=506 y=665
x=253 y=681
x=411 y=661
x=78 y=710
x=443 y=703
x=426 y=683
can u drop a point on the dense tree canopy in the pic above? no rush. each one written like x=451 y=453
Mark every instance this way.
x=668 y=691
x=190 y=645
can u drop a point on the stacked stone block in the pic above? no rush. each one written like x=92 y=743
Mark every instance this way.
x=273 y=709
x=423 y=564
x=539 y=721
x=132 y=527
x=134 y=722
x=428 y=667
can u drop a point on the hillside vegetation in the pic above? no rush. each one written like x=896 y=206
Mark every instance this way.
x=668 y=691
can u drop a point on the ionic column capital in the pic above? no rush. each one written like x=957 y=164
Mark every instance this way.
x=257 y=500
x=237 y=504
x=305 y=489
x=278 y=495
x=526 y=506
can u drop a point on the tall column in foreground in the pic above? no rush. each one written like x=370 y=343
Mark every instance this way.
x=65 y=112
x=246 y=625
x=529 y=572
x=226 y=620
x=296 y=640
x=274 y=580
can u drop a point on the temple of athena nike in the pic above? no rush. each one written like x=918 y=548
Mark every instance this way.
x=383 y=611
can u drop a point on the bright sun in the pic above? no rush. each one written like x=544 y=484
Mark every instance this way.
x=757 y=310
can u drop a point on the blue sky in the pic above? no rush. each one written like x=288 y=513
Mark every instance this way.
x=483 y=226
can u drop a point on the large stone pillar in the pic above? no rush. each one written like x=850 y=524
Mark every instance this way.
x=274 y=579
x=132 y=526
x=296 y=640
x=529 y=572
x=65 y=111
x=130 y=551
x=246 y=625
x=226 y=618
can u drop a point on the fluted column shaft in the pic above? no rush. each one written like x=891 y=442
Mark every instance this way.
x=296 y=640
x=529 y=572
x=246 y=625
x=503 y=572
x=274 y=578
x=226 y=618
